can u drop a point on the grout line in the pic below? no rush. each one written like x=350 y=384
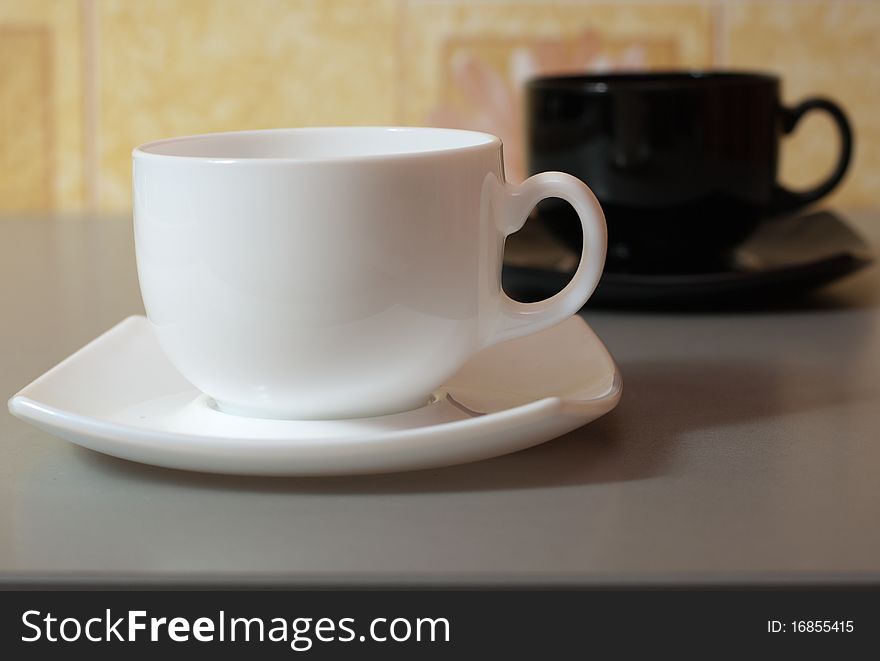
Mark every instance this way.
x=49 y=114
x=398 y=68
x=89 y=36
x=719 y=35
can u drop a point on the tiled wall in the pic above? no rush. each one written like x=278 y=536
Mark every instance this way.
x=83 y=81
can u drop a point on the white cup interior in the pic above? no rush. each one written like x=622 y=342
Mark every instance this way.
x=309 y=144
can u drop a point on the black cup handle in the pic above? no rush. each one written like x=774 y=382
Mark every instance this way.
x=788 y=200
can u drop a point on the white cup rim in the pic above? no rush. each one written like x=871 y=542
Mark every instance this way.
x=449 y=141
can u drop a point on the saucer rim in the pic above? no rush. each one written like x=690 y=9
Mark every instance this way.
x=28 y=409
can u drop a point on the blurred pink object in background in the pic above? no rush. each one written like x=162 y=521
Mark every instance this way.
x=483 y=80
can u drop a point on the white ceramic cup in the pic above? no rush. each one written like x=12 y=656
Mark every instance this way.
x=338 y=272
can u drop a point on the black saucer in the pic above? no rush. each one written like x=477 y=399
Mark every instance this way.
x=783 y=257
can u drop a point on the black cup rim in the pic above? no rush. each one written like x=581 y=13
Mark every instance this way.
x=648 y=80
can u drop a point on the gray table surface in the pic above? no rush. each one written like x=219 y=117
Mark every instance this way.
x=746 y=448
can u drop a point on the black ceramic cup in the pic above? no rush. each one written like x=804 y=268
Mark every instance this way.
x=684 y=163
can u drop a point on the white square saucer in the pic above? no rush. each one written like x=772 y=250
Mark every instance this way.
x=120 y=395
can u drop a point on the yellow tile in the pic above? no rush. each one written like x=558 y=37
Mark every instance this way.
x=173 y=68
x=41 y=138
x=464 y=62
x=25 y=133
x=828 y=48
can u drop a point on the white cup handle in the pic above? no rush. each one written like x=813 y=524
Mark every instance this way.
x=516 y=319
